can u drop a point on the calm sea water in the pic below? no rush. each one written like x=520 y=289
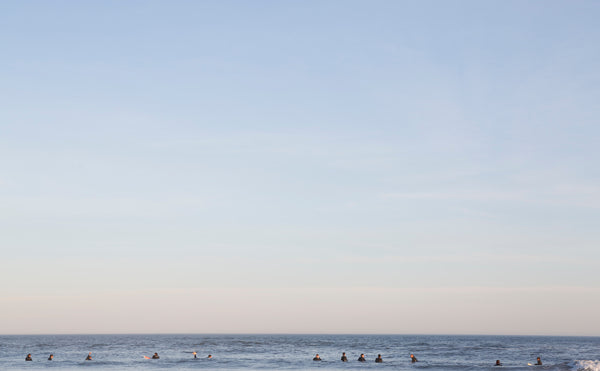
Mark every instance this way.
x=295 y=352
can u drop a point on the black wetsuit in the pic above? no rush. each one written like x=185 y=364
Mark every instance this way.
x=539 y=362
x=317 y=359
x=414 y=359
x=378 y=360
x=28 y=358
x=361 y=359
x=344 y=359
x=88 y=358
x=155 y=356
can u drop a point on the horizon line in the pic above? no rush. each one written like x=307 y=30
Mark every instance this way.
x=289 y=334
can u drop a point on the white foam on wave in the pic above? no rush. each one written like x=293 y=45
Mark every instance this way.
x=586 y=365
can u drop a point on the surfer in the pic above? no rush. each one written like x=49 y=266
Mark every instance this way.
x=498 y=363
x=155 y=356
x=209 y=356
x=539 y=361
x=362 y=358
x=51 y=357
x=194 y=353
x=317 y=357
x=378 y=359
x=344 y=358
x=28 y=358
x=89 y=357
x=413 y=359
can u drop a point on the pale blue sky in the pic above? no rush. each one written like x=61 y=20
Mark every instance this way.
x=260 y=165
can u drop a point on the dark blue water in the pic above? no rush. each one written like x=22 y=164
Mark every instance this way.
x=295 y=352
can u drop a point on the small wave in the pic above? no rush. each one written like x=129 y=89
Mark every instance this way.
x=96 y=363
x=586 y=365
x=418 y=344
x=188 y=360
x=99 y=345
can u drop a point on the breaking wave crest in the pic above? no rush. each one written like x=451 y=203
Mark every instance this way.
x=586 y=365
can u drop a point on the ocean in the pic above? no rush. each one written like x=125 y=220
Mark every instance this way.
x=295 y=352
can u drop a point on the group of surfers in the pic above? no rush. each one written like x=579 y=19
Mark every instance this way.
x=413 y=359
x=89 y=356
x=344 y=358
x=362 y=358
x=537 y=363
x=51 y=357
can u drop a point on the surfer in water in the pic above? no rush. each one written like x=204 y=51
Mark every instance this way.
x=413 y=359
x=155 y=356
x=28 y=358
x=194 y=353
x=317 y=357
x=362 y=358
x=209 y=356
x=378 y=359
x=539 y=361
x=498 y=363
x=89 y=357
x=344 y=358
x=51 y=357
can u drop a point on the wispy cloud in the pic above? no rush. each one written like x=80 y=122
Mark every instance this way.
x=470 y=258
x=577 y=195
x=458 y=195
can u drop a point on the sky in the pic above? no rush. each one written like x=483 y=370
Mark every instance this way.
x=402 y=167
